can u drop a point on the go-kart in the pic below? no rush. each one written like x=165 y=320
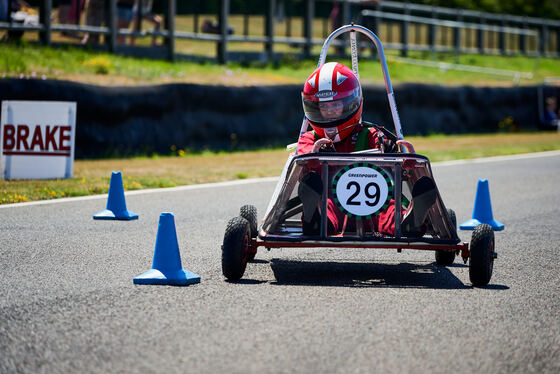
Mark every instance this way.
x=362 y=184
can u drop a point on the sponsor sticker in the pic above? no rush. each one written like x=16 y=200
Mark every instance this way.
x=325 y=94
x=362 y=190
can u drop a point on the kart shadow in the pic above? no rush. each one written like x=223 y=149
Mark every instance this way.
x=361 y=274
x=246 y=281
x=257 y=261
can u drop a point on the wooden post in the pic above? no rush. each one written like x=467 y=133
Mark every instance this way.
x=223 y=22
x=308 y=27
x=480 y=39
x=457 y=35
x=346 y=16
x=195 y=15
x=543 y=40
x=111 y=22
x=558 y=42
x=45 y=20
x=523 y=38
x=9 y=10
x=345 y=19
x=377 y=21
x=432 y=33
x=246 y=19
x=138 y=18
x=404 y=32
x=79 y=5
x=376 y=30
x=289 y=13
x=170 y=26
x=269 y=45
x=468 y=37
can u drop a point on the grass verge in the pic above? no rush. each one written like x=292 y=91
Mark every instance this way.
x=94 y=67
x=93 y=176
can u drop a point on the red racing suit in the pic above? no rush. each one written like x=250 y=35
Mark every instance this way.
x=360 y=139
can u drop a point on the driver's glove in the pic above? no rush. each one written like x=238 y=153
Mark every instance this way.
x=327 y=148
x=323 y=145
x=385 y=144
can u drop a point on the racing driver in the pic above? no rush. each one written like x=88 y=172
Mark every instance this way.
x=332 y=102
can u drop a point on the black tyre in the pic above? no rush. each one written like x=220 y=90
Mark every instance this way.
x=481 y=262
x=446 y=258
x=235 y=248
x=249 y=212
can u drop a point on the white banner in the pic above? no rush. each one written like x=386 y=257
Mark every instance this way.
x=37 y=139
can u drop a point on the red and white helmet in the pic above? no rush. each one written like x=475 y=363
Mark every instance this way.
x=332 y=101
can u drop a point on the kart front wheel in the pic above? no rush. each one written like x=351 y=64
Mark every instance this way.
x=235 y=248
x=481 y=262
x=446 y=258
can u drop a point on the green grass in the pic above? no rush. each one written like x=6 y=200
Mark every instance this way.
x=84 y=65
x=76 y=63
x=183 y=168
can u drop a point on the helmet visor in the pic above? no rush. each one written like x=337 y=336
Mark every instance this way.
x=329 y=113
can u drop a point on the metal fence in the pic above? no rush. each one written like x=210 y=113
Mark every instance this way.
x=401 y=26
x=467 y=31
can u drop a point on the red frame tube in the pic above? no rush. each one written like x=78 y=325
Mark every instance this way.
x=463 y=247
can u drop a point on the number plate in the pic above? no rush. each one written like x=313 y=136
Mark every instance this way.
x=362 y=190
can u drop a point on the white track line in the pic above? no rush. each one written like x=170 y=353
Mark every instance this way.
x=145 y=191
x=523 y=156
x=269 y=179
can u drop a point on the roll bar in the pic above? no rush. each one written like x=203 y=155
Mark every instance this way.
x=354 y=51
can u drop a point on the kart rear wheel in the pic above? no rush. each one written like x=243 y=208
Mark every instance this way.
x=249 y=212
x=235 y=248
x=446 y=258
x=481 y=262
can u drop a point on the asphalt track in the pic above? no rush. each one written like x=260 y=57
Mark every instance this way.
x=68 y=304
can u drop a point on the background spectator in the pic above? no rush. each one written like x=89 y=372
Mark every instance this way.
x=335 y=16
x=64 y=11
x=69 y=12
x=213 y=27
x=125 y=15
x=20 y=12
x=94 y=17
x=145 y=8
x=551 y=114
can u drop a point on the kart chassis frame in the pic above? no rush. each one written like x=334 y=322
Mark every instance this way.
x=401 y=164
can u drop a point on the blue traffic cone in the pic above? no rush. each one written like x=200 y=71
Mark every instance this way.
x=482 y=212
x=167 y=268
x=116 y=205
